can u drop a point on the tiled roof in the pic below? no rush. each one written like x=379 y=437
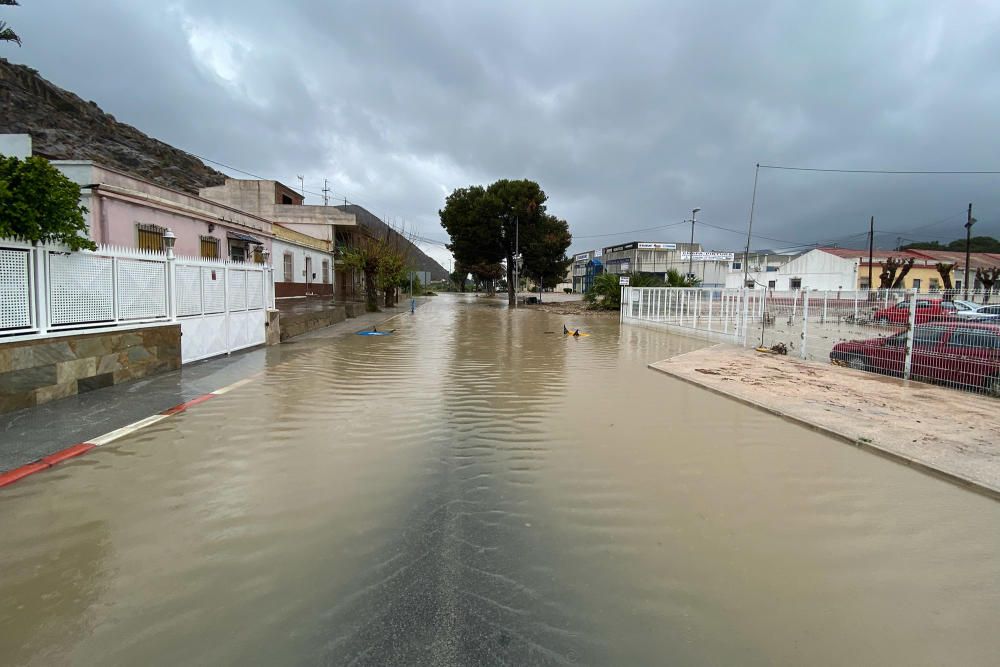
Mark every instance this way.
x=976 y=259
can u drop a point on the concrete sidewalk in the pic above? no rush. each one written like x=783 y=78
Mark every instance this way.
x=953 y=434
x=28 y=435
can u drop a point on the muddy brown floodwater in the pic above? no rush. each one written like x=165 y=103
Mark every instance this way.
x=476 y=490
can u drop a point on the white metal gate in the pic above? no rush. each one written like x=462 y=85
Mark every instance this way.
x=220 y=305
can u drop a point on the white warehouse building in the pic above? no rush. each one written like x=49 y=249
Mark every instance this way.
x=814 y=270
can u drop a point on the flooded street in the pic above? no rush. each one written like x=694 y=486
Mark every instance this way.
x=476 y=489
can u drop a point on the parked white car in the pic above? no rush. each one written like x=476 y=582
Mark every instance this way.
x=980 y=313
x=962 y=306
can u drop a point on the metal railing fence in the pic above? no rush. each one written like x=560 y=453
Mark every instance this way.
x=903 y=333
x=47 y=290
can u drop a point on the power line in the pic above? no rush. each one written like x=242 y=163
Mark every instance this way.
x=875 y=171
x=630 y=231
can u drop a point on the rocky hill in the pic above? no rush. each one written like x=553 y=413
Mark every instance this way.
x=65 y=127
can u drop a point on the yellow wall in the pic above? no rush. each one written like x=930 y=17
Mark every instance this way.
x=922 y=273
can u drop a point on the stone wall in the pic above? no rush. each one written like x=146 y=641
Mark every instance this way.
x=283 y=290
x=33 y=372
x=298 y=324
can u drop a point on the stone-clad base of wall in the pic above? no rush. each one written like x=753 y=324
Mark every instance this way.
x=355 y=309
x=296 y=325
x=38 y=371
x=282 y=290
x=273 y=324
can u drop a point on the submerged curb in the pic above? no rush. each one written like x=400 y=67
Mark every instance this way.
x=958 y=480
x=10 y=476
x=82 y=448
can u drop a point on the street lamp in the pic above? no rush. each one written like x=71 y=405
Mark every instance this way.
x=169 y=239
x=968 y=243
x=694 y=215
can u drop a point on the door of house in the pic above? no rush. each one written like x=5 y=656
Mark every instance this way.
x=309 y=268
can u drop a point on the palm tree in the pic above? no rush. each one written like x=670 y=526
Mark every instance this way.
x=6 y=34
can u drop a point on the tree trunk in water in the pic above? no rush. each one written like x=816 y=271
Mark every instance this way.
x=388 y=297
x=371 y=292
x=511 y=287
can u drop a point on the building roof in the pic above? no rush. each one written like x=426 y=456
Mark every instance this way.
x=925 y=257
x=283 y=233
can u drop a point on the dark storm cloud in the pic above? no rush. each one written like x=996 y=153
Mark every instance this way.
x=629 y=114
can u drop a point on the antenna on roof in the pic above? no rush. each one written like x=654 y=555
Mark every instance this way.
x=302 y=185
x=326 y=193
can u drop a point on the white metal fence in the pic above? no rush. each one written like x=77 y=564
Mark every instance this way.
x=47 y=291
x=902 y=333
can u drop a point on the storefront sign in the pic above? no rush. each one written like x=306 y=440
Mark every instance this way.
x=658 y=246
x=707 y=256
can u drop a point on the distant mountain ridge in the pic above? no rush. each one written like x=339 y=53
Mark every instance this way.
x=63 y=126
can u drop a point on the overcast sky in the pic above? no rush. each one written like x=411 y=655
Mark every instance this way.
x=629 y=114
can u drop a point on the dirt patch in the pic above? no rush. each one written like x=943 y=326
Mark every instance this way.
x=952 y=432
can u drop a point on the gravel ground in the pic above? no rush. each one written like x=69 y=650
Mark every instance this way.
x=952 y=432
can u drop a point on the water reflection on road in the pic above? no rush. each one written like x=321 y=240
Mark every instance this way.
x=475 y=490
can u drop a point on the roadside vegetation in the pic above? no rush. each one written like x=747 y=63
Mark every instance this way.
x=40 y=205
x=383 y=263
x=605 y=293
x=489 y=226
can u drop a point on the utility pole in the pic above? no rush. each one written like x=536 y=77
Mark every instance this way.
x=968 y=243
x=753 y=204
x=326 y=193
x=871 y=252
x=517 y=257
x=694 y=215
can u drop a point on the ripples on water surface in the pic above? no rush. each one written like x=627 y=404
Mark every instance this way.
x=473 y=490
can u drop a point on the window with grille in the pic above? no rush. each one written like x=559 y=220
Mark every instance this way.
x=149 y=237
x=237 y=252
x=289 y=268
x=209 y=247
x=326 y=272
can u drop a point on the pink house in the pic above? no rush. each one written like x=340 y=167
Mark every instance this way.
x=128 y=211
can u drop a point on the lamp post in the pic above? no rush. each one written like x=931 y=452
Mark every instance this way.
x=269 y=279
x=968 y=242
x=169 y=239
x=694 y=216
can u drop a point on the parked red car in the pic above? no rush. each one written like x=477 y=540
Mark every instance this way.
x=966 y=354
x=928 y=310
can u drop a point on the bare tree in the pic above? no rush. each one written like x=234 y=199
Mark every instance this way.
x=904 y=268
x=944 y=270
x=988 y=278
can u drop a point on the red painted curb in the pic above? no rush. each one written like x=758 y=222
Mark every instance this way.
x=184 y=406
x=68 y=453
x=12 y=476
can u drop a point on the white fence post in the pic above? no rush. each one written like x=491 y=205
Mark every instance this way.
x=805 y=323
x=909 y=335
x=40 y=277
x=711 y=298
x=171 y=285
